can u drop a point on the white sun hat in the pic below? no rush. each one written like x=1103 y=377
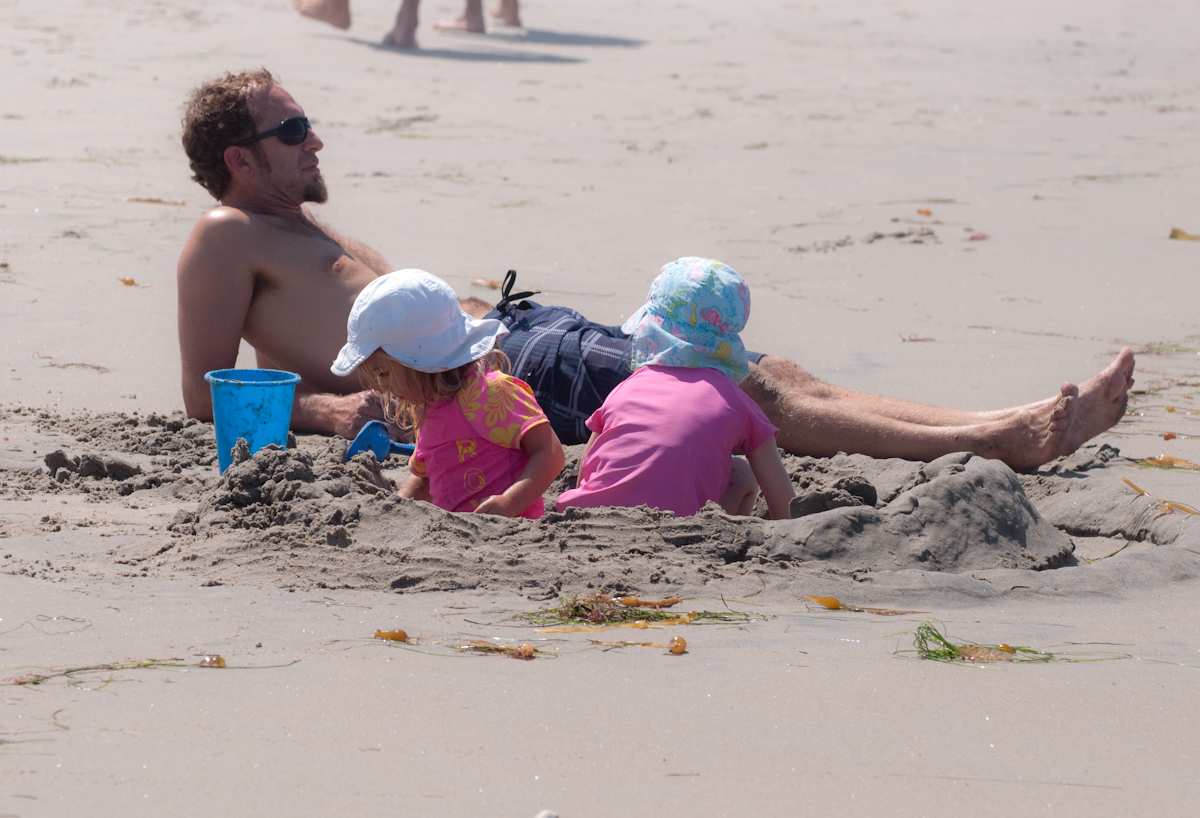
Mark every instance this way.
x=414 y=317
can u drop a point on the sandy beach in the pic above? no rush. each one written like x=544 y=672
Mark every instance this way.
x=939 y=202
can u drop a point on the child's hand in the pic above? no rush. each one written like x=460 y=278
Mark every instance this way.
x=773 y=479
x=497 y=504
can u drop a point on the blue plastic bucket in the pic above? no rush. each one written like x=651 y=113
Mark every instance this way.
x=255 y=404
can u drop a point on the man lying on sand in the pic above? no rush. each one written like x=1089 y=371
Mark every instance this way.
x=260 y=267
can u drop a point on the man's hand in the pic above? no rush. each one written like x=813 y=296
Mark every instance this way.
x=335 y=414
x=355 y=410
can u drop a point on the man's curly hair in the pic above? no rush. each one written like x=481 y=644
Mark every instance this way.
x=217 y=115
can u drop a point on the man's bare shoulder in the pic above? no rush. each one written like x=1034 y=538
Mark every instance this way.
x=225 y=223
x=224 y=236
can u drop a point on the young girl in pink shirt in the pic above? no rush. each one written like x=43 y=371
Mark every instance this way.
x=666 y=436
x=483 y=443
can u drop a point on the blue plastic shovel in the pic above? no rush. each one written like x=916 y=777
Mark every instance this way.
x=373 y=437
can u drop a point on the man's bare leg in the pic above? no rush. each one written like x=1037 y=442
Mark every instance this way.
x=813 y=422
x=1113 y=383
x=471 y=19
x=801 y=382
x=508 y=13
x=334 y=12
x=404 y=32
x=925 y=414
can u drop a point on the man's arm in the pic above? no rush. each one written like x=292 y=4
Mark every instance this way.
x=355 y=249
x=343 y=415
x=216 y=287
x=216 y=284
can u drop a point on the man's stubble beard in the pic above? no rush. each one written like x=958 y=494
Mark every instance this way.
x=312 y=191
x=315 y=191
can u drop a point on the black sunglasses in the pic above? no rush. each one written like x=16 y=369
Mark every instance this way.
x=290 y=132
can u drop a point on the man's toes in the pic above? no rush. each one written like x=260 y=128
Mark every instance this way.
x=1122 y=378
x=1060 y=418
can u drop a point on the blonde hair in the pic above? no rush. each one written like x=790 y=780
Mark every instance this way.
x=405 y=392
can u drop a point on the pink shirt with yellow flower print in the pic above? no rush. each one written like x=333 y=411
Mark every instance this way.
x=469 y=446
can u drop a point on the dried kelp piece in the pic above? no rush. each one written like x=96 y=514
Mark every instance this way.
x=1166 y=461
x=30 y=679
x=524 y=651
x=930 y=643
x=603 y=610
x=1141 y=492
x=677 y=646
x=70 y=673
x=638 y=602
x=832 y=603
x=591 y=609
x=637 y=624
x=1164 y=506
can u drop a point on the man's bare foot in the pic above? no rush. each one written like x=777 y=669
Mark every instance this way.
x=1031 y=436
x=334 y=12
x=1102 y=400
x=508 y=13
x=472 y=23
x=404 y=32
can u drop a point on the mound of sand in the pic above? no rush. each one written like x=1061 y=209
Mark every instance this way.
x=172 y=439
x=301 y=518
x=316 y=520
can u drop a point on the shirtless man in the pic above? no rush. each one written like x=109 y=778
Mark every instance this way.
x=259 y=267
x=404 y=31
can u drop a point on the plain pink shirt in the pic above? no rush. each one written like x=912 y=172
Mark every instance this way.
x=664 y=438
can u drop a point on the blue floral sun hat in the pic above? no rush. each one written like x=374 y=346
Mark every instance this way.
x=692 y=317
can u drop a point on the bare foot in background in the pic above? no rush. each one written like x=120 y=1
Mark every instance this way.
x=334 y=12
x=508 y=13
x=404 y=33
x=470 y=20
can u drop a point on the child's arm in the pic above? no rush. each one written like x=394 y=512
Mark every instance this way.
x=773 y=479
x=546 y=460
x=583 y=458
x=415 y=488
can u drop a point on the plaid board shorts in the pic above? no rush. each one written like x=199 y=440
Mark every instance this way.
x=570 y=362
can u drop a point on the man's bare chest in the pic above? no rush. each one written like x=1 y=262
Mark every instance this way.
x=310 y=264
